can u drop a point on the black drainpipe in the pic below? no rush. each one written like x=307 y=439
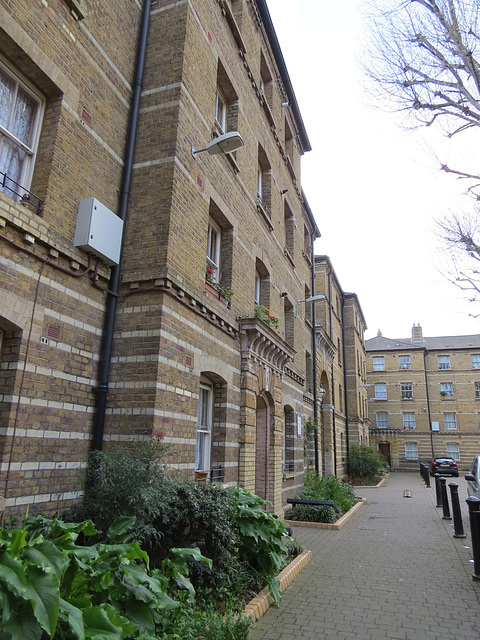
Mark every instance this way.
x=314 y=363
x=101 y=391
x=345 y=395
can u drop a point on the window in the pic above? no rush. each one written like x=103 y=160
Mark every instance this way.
x=204 y=427
x=404 y=362
x=264 y=179
x=382 y=419
x=288 y=440
x=379 y=363
x=453 y=450
x=446 y=388
x=380 y=391
x=289 y=316
x=289 y=230
x=450 y=421
x=213 y=251
x=444 y=362
x=21 y=112
x=226 y=103
x=475 y=361
x=221 y=111
x=266 y=84
x=308 y=372
x=409 y=420
x=406 y=391
x=219 y=249
x=411 y=451
x=262 y=284
x=477 y=389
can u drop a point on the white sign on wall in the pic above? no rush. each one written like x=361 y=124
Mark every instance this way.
x=299 y=425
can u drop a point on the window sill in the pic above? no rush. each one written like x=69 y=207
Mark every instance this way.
x=288 y=476
x=289 y=256
x=75 y=10
x=263 y=211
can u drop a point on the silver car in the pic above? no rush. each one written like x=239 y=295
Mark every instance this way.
x=473 y=478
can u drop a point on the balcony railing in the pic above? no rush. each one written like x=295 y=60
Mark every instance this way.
x=19 y=193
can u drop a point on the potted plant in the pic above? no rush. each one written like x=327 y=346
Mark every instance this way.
x=264 y=314
x=222 y=292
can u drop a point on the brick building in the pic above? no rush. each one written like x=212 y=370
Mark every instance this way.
x=214 y=373
x=340 y=328
x=423 y=395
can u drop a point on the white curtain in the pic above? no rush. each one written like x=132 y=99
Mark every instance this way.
x=17 y=115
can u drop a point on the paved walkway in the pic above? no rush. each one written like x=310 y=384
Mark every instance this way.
x=393 y=571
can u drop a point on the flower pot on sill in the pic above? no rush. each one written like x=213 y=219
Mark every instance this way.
x=201 y=476
x=211 y=289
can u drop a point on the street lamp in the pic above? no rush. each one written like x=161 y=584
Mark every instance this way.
x=313 y=299
x=226 y=143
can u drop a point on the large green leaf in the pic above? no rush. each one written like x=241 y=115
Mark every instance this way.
x=105 y=623
x=11 y=572
x=44 y=594
x=75 y=618
x=17 y=541
x=48 y=557
x=120 y=526
x=22 y=625
x=140 y=613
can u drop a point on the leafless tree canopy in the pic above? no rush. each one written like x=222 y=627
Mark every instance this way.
x=424 y=54
x=424 y=59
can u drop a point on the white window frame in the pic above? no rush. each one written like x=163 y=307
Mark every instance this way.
x=221 y=111
x=453 y=450
x=204 y=426
x=379 y=363
x=381 y=419
x=408 y=419
x=446 y=388
x=258 y=287
x=406 y=390
x=260 y=183
x=404 y=362
x=30 y=150
x=444 y=362
x=411 y=451
x=213 y=249
x=380 y=391
x=475 y=360
x=450 y=421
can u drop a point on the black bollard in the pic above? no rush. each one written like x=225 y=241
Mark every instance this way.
x=446 y=508
x=457 y=512
x=426 y=476
x=438 y=490
x=474 y=514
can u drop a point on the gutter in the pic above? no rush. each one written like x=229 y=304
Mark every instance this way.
x=101 y=391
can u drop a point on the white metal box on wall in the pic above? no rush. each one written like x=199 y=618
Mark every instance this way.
x=98 y=231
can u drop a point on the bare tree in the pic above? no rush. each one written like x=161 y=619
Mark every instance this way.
x=424 y=58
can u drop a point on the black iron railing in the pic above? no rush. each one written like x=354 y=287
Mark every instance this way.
x=19 y=193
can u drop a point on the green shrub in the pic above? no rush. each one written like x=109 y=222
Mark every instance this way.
x=323 y=488
x=231 y=527
x=364 y=463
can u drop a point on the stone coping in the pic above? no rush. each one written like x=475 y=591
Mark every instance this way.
x=261 y=602
x=329 y=525
x=371 y=486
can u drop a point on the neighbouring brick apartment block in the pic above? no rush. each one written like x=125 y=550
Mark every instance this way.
x=424 y=396
x=91 y=354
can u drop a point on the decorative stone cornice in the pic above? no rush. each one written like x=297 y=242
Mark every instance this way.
x=261 y=344
x=324 y=343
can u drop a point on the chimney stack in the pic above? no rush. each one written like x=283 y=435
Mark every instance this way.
x=417 y=334
x=379 y=333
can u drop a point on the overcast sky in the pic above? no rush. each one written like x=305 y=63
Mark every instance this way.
x=374 y=188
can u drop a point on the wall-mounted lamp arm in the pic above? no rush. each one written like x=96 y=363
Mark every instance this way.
x=226 y=143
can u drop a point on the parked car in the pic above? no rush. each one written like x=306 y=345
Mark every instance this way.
x=444 y=466
x=473 y=478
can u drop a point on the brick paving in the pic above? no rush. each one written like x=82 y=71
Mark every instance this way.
x=394 y=571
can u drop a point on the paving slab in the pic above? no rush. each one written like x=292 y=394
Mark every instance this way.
x=394 y=571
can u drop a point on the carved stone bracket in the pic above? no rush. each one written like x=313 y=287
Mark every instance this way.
x=324 y=343
x=261 y=344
